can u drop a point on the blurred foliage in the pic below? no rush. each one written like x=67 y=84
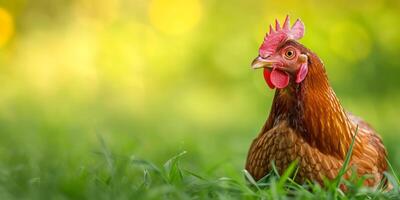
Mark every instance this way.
x=158 y=77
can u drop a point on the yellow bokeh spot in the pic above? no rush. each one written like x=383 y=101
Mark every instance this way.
x=175 y=16
x=6 y=26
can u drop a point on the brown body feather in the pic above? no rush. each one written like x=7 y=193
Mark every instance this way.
x=308 y=123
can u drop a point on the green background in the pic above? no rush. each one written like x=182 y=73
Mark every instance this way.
x=154 y=78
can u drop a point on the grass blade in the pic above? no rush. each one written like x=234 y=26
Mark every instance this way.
x=346 y=162
x=251 y=179
x=173 y=170
x=393 y=172
x=288 y=172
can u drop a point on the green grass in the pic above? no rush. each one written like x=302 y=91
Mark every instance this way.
x=114 y=176
x=172 y=181
x=183 y=183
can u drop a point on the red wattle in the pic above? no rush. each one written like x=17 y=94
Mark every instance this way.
x=279 y=78
x=267 y=78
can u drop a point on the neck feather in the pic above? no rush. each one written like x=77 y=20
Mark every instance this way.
x=313 y=110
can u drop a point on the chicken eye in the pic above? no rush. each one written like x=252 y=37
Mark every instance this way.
x=289 y=54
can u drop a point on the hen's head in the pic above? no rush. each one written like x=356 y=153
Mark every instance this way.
x=281 y=56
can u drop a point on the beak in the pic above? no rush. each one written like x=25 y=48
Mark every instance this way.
x=260 y=62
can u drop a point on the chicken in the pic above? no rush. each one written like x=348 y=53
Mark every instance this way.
x=307 y=122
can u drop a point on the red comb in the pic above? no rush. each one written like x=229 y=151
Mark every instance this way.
x=275 y=37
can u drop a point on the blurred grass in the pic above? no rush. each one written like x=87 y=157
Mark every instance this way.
x=154 y=78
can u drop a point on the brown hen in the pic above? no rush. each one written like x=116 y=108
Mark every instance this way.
x=307 y=122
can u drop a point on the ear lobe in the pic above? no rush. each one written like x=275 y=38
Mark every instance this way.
x=302 y=73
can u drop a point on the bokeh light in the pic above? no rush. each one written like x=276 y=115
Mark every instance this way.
x=175 y=16
x=6 y=26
